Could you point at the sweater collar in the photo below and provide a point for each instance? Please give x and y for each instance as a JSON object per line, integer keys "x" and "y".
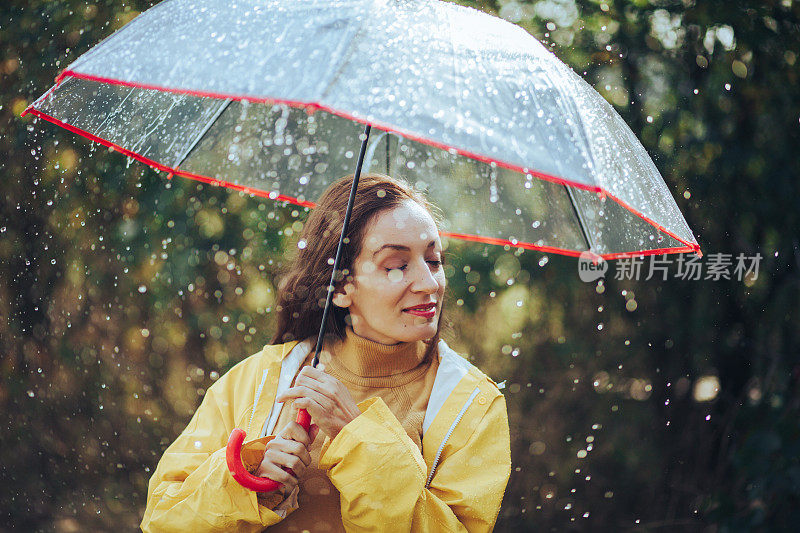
{"x": 356, "y": 357}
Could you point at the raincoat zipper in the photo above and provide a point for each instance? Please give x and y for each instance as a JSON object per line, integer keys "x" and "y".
{"x": 258, "y": 395}
{"x": 450, "y": 432}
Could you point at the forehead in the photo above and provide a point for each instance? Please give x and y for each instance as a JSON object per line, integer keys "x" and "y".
{"x": 407, "y": 224}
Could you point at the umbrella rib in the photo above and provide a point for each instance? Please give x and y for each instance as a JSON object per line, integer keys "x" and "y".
{"x": 581, "y": 221}
{"x": 346, "y": 51}
{"x": 371, "y": 150}
{"x": 182, "y": 157}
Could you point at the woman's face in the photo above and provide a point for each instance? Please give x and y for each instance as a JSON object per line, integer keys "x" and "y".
{"x": 399, "y": 269}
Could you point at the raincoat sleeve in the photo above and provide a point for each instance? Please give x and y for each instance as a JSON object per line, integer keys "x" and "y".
{"x": 192, "y": 489}
{"x": 381, "y": 475}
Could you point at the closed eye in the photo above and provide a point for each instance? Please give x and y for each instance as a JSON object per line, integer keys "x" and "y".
{"x": 433, "y": 262}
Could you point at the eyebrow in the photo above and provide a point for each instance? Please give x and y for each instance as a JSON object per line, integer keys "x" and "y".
{"x": 399, "y": 247}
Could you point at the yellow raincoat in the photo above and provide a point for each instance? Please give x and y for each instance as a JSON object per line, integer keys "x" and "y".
{"x": 385, "y": 483}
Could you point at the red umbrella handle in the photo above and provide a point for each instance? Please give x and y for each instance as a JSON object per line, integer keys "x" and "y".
{"x": 233, "y": 455}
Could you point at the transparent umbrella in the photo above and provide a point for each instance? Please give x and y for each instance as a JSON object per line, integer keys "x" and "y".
{"x": 275, "y": 98}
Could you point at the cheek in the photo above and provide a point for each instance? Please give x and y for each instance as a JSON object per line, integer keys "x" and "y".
{"x": 378, "y": 290}
{"x": 442, "y": 280}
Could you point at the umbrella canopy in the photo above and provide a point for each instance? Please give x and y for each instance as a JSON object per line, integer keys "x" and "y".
{"x": 267, "y": 97}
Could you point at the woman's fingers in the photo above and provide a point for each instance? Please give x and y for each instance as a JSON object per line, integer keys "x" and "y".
{"x": 288, "y": 460}
{"x": 331, "y": 391}
{"x": 295, "y": 431}
{"x": 326, "y": 399}
{"x": 318, "y": 373}
{"x": 272, "y": 467}
{"x": 302, "y": 391}
{"x": 282, "y": 455}
{"x": 319, "y": 381}
{"x": 290, "y": 447}
{"x": 314, "y": 408}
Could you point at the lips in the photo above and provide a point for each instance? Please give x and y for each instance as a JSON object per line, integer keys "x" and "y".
{"x": 425, "y": 310}
{"x": 423, "y": 307}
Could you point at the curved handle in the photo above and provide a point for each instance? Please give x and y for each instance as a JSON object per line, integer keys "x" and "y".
{"x": 233, "y": 456}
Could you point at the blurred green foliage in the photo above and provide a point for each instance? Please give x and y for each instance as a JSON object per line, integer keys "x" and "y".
{"x": 124, "y": 295}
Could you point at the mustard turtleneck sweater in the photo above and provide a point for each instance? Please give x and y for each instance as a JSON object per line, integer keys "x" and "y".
{"x": 399, "y": 374}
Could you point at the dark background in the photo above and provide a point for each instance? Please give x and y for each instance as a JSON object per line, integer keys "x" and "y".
{"x": 124, "y": 295}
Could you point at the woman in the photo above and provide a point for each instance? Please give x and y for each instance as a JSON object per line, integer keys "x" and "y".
{"x": 415, "y": 437}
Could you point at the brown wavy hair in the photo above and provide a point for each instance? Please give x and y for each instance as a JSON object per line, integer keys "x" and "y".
{"x": 302, "y": 289}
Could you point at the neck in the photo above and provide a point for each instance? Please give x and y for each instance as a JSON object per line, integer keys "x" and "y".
{"x": 385, "y": 342}
{"x": 365, "y": 362}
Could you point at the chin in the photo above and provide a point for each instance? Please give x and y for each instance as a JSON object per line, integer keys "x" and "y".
{"x": 420, "y": 333}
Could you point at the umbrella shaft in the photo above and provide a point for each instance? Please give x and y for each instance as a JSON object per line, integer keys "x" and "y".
{"x": 339, "y": 247}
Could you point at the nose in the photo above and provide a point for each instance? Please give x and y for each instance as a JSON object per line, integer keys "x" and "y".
{"x": 424, "y": 280}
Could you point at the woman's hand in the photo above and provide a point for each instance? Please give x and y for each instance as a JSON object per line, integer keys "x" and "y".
{"x": 325, "y": 398}
{"x": 288, "y": 450}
